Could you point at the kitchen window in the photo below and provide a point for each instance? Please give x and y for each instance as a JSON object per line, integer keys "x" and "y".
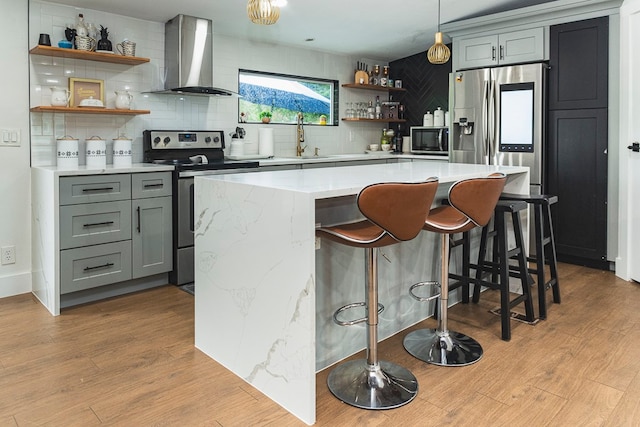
{"x": 280, "y": 97}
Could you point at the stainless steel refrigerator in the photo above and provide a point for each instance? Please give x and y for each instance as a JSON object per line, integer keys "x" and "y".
{"x": 499, "y": 118}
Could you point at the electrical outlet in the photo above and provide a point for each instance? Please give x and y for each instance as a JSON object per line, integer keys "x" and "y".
{"x": 317, "y": 243}
{"x": 8, "y": 255}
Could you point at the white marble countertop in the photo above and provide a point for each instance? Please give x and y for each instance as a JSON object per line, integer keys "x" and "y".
{"x": 340, "y": 181}
{"x": 273, "y": 161}
{"x": 347, "y": 157}
{"x": 56, "y": 171}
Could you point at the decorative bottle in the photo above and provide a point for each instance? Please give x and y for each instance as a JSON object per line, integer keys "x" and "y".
{"x": 81, "y": 27}
{"x": 378, "y": 108}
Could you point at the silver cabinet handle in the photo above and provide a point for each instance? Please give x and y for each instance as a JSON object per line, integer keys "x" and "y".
{"x": 97, "y": 224}
{"x": 107, "y": 265}
{"x": 86, "y": 190}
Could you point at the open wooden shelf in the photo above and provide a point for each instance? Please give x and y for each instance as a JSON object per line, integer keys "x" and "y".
{"x": 374, "y": 87}
{"x": 374, "y": 120}
{"x": 114, "y": 58}
{"x": 87, "y": 110}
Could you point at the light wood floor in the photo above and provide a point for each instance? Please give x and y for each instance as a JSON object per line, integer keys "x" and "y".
{"x": 130, "y": 361}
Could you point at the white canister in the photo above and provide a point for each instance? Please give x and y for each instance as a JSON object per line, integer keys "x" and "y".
{"x": 265, "y": 142}
{"x": 237, "y": 147}
{"x": 122, "y": 151}
{"x": 406, "y": 144}
{"x": 427, "y": 120}
{"x": 438, "y": 117}
{"x": 96, "y": 152}
{"x": 67, "y": 152}
{"x": 446, "y": 119}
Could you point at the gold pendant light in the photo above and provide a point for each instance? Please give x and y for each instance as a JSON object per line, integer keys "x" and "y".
{"x": 438, "y": 53}
{"x": 263, "y": 12}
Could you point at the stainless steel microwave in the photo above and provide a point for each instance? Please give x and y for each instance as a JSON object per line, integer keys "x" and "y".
{"x": 429, "y": 140}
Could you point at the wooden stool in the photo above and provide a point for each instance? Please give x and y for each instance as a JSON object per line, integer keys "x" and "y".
{"x": 395, "y": 212}
{"x": 543, "y": 226}
{"x": 499, "y": 266}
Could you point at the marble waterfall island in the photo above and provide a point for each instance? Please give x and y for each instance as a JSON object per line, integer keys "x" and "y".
{"x": 265, "y": 295}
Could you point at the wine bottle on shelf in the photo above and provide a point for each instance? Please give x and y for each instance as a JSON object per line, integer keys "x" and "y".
{"x": 378, "y": 108}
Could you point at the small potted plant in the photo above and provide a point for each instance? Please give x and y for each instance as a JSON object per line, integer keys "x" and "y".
{"x": 265, "y": 116}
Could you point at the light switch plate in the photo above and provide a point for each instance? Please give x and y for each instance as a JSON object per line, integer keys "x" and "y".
{"x": 10, "y": 137}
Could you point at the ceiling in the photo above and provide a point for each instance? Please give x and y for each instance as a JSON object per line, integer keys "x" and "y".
{"x": 373, "y": 29}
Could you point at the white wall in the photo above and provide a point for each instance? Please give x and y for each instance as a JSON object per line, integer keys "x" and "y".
{"x": 174, "y": 112}
{"x": 15, "y": 229}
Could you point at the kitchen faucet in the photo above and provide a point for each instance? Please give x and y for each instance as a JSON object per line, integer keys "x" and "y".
{"x": 300, "y": 134}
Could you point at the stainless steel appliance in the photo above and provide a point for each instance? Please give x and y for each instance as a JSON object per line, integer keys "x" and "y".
{"x": 188, "y": 57}
{"x": 192, "y": 153}
{"x": 499, "y": 118}
{"x": 429, "y": 140}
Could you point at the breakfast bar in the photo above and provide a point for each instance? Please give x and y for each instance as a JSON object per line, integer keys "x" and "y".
{"x": 266, "y": 287}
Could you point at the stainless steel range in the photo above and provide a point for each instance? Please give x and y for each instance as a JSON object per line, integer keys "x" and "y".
{"x": 192, "y": 153}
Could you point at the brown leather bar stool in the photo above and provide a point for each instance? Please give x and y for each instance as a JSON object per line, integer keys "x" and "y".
{"x": 543, "y": 227}
{"x": 394, "y": 212}
{"x": 471, "y": 204}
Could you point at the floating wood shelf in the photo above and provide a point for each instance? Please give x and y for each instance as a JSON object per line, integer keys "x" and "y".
{"x": 87, "y": 110}
{"x": 114, "y": 58}
{"x": 374, "y": 87}
{"x": 374, "y": 120}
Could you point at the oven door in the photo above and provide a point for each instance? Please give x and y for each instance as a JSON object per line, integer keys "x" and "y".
{"x": 185, "y": 212}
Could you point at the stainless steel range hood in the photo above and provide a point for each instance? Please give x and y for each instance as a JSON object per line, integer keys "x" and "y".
{"x": 188, "y": 58}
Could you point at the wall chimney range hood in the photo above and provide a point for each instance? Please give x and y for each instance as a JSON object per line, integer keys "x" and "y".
{"x": 188, "y": 58}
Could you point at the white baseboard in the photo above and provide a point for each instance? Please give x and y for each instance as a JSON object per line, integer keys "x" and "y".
{"x": 15, "y": 285}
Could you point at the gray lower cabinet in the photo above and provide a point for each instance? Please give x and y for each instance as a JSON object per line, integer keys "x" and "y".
{"x": 93, "y": 266}
{"x": 114, "y": 228}
{"x": 151, "y": 237}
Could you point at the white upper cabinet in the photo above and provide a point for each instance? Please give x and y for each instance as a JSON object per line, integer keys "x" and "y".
{"x": 499, "y": 49}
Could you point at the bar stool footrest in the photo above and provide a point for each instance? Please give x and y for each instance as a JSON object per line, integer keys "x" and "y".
{"x": 350, "y": 306}
{"x": 435, "y": 284}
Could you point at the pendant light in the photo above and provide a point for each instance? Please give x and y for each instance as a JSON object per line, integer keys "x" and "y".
{"x": 438, "y": 53}
{"x": 263, "y": 12}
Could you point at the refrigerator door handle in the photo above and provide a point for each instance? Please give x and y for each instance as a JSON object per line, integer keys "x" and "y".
{"x": 491, "y": 120}
{"x": 485, "y": 122}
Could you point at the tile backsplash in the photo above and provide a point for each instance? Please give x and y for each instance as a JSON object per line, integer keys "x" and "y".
{"x": 172, "y": 111}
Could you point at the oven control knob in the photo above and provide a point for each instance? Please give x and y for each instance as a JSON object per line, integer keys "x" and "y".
{"x": 156, "y": 140}
{"x": 216, "y": 139}
{"x": 166, "y": 140}
{"x": 207, "y": 139}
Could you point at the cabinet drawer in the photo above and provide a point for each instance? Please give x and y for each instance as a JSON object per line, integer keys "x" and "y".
{"x": 94, "y": 223}
{"x": 94, "y": 188}
{"x": 84, "y": 268}
{"x": 151, "y": 184}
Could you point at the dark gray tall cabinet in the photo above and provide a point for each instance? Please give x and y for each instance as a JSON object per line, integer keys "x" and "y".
{"x": 577, "y": 139}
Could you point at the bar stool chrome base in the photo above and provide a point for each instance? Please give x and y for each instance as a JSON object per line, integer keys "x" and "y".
{"x": 443, "y": 349}
{"x": 381, "y": 386}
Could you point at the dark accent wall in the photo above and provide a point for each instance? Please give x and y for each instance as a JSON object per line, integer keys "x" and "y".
{"x": 427, "y": 86}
